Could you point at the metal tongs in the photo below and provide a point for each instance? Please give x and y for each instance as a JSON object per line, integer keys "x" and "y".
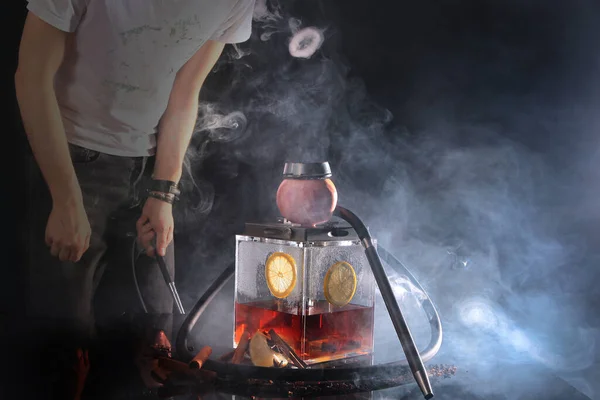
{"x": 168, "y": 280}
{"x": 286, "y": 350}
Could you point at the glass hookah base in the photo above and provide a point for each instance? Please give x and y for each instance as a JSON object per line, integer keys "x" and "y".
{"x": 320, "y": 335}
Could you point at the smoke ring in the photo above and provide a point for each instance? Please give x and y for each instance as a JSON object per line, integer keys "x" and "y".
{"x": 305, "y": 42}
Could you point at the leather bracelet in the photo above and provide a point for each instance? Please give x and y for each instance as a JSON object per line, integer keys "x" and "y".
{"x": 164, "y": 186}
{"x": 171, "y": 196}
{"x": 166, "y": 197}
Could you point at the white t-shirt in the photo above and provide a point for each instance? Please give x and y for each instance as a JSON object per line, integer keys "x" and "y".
{"x": 118, "y": 71}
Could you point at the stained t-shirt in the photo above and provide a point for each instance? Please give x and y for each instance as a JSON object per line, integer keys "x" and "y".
{"x": 119, "y": 67}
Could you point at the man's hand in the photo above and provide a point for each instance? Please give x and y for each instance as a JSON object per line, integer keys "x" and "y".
{"x": 156, "y": 219}
{"x": 68, "y": 231}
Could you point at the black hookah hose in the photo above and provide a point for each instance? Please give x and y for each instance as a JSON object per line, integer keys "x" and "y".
{"x": 185, "y": 350}
{"x": 134, "y": 255}
{"x": 406, "y": 340}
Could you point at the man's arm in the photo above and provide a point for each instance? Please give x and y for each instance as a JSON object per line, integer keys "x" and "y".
{"x": 177, "y": 124}
{"x": 40, "y": 54}
{"x": 174, "y": 133}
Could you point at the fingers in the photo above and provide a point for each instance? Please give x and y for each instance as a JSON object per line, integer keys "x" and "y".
{"x": 67, "y": 248}
{"x": 147, "y": 227}
{"x": 54, "y": 249}
{"x": 150, "y": 251}
{"x": 69, "y": 252}
{"x": 81, "y": 247}
{"x": 170, "y": 235}
{"x": 145, "y": 234}
{"x": 86, "y": 246}
{"x": 157, "y": 218}
{"x": 161, "y": 240}
{"x": 145, "y": 240}
{"x": 164, "y": 236}
{"x": 154, "y": 224}
{"x": 64, "y": 253}
{"x": 141, "y": 222}
{"x": 86, "y": 242}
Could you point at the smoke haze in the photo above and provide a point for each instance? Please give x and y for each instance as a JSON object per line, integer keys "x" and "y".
{"x": 473, "y": 159}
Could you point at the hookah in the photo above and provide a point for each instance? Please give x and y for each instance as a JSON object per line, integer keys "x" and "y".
{"x": 307, "y": 201}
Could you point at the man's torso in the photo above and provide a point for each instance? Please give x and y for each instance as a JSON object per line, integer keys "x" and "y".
{"x": 119, "y": 68}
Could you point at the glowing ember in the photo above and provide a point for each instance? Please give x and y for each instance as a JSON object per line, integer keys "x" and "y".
{"x": 305, "y": 42}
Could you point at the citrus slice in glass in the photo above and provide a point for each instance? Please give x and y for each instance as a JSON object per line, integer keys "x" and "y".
{"x": 340, "y": 284}
{"x": 260, "y": 352}
{"x": 280, "y": 272}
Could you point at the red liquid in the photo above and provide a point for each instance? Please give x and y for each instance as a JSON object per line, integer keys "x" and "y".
{"x": 325, "y": 333}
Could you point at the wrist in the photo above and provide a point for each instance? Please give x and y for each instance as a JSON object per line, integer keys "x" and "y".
{"x": 70, "y": 202}
{"x": 66, "y": 194}
{"x": 173, "y": 176}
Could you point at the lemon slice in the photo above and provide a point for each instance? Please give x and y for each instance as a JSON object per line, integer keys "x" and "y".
{"x": 340, "y": 284}
{"x": 260, "y": 352}
{"x": 280, "y": 272}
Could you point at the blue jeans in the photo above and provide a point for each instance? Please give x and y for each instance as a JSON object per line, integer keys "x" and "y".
{"x": 61, "y": 294}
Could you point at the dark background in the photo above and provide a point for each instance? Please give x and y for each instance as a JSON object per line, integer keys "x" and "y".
{"x": 464, "y": 132}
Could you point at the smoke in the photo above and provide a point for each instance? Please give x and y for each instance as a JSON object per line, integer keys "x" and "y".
{"x": 266, "y": 14}
{"x": 478, "y": 193}
{"x": 305, "y": 42}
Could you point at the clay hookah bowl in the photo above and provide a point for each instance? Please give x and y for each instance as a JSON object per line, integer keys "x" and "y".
{"x": 307, "y": 195}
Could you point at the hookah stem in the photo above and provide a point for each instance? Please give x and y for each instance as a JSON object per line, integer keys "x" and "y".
{"x": 408, "y": 345}
{"x": 169, "y": 281}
